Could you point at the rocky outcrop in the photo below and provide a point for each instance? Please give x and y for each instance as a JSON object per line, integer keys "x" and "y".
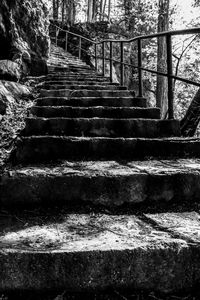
{"x": 9, "y": 70}
{"x": 10, "y": 92}
{"x": 24, "y": 36}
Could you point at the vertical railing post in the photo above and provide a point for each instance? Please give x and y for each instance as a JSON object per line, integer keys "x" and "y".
{"x": 79, "y": 48}
{"x": 122, "y": 64}
{"x": 66, "y": 41}
{"x": 56, "y": 38}
{"x": 111, "y": 63}
{"x": 95, "y": 54}
{"x": 140, "y": 83}
{"x": 169, "y": 77}
{"x": 103, "y": 58}
{"x": 79, "y": 54}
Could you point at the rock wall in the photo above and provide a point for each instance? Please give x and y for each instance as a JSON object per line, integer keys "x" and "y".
{"x": 24, "y": 34}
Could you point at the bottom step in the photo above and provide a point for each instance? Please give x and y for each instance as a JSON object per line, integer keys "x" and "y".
{"x": 75, "y": 252}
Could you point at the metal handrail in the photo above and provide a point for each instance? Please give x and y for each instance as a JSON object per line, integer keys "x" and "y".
{"x": 169, "y": 74}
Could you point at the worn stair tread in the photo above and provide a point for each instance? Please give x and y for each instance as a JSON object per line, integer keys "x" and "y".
{"x": 149, "y": 252}
{"x": 95, "y": 111}
{"x": 82, "y": 86}
{"x": 77, "y": 78}
{"x": 130, "y": 101}
{"x": 63, "y": 82}
{"x": 102, "y": 127}
{"x": 84, "y": 93}
{"x": 47, "y": 148}
{"x": 108, "y": 183}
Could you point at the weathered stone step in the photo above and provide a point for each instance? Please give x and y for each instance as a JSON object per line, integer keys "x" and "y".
{"x": 52, "y": 82}
{"x": 84, "y": 93}
{"x": 92, "y": 101}
{"x": 109, "y": 183}
{"x": 78, "y": 252}
{"x": 47, "y": 148}
{"x": 101, "y": 127}
{"x": 77, "y": 78}
{"x": 69, "y": 68}
{"x": 99, "y": 111}
{"x": 82, "y": 86}
{"x": 74, "y": 74}
{"x": 74, "y": 71}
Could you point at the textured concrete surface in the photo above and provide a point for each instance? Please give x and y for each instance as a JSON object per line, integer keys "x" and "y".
{"x": 75, "y": 252}
{"x": 107, "y": 183}
{"x": 84, "y": 93}
{"x": 48, "y": 148}
{"x": 102, "y": 127}
{"x": 93, "y": 101}
{"x": 95, "y": 111}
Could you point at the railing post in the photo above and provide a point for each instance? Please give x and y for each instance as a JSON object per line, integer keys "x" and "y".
{"x": 122, "y": 64}
{"x": 111, "y": 57}
{"x": 56, "y": 38}
{"x": 169, "y": 77}
{"x": 140, "y": 93}
{"x": 95, "y": 53}
{"x": 103, "y": 58}
{"x": 79, "y": 54}
{"x": 66, "y": 41}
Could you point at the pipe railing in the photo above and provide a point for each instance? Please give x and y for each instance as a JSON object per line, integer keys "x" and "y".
{"x": 169, "y": 73}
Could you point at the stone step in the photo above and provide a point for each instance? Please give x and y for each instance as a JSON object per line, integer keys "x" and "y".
{"x": 95, "y": 111}
{"x": 69, "y": 68}
{"x": 113, "y": 184}
{"x": 73, "y": 71}
{"x": 77, "y": 78}
{"x": 92, "y": 101}
{"x": 65, "y": 82}
{"x": 60, "y": 61}
{"x": 78, "y": 252}
{"x": 84, "y": 93}
{"x": 82, "y": 87}
{"x": 100, "y": 127}
{"x": 74, "y": 74}
{"x": 50, "y": 148}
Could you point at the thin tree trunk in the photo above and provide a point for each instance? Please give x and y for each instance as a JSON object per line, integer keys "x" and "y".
{"x": 94, "y": 10}
{"x": 104, "y": 9}
{"x": 192, "y": 117}
{"x": 63, "y": 11}
{"x": 101, "y": 10}
{"x": 57, "y": 8}
{"x": 109, "y": 9}
{"x": 90, "y": 10}
{"x": 55, "y": 15}
{"x": 163, "y": 25}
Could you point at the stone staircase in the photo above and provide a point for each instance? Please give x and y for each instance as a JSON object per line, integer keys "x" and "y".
{"x": 100, "y": 185}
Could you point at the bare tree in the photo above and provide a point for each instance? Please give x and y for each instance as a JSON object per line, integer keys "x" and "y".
{"x": 163, "y": 25}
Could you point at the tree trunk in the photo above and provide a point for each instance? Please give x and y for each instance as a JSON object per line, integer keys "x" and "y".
{"x": 55, "y": 10}
{"x": 71, "y": 12}
{"x": 63, "y": 10}
{"x": 109, "y": 9}
{"x": 192, "y": 117}
{"x": 94, "y": 10}
{"x": 128, "y": 5}
{"x": 90, "y": 11}
{"x": 163, "y": 25}
{"x": 101, "y": 10}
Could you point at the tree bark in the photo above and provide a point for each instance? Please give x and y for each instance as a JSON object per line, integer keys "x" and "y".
{"x": 161, "y": 89}
{"x": 109, "y": 9}
{"x": 191, "y": 119}
{"x": 90, "y": 11}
